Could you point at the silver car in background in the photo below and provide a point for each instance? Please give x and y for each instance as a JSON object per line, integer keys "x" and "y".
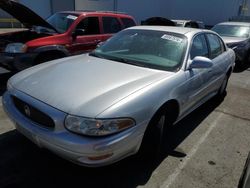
{"x": 237, "y": 36}
{"x": 98, "y": 108}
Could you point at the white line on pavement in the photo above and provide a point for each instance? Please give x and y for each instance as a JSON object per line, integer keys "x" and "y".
{"x": 181, "y": 166}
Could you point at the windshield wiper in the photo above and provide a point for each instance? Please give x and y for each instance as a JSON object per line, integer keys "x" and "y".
{"x": 119, "y": 59}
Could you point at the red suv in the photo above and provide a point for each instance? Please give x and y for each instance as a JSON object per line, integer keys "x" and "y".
{"x": 62, "y": 34}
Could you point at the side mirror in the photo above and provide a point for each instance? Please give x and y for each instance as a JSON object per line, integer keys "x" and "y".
{"x": 78, "y": 32}
{"x": 200, "y": 63}
{"x": 100, "y": 44}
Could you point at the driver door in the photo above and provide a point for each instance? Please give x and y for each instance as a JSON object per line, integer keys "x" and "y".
{"x": 89, "y": 38}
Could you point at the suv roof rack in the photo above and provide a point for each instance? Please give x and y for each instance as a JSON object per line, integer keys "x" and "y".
{"x": 102, "y": 11}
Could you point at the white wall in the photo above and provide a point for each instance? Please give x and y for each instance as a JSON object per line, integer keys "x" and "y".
{"x": 94, "y": 5}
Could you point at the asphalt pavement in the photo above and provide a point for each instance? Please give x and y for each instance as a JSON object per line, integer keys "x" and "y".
{"x": 207, "y": 149}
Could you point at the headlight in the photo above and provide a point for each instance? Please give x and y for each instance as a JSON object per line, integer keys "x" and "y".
{"x": 94, "y": 127}
{"x": 16, "y": 48}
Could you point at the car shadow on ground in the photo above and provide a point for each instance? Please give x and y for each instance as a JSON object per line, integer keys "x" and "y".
{"x": 239, "y": 69}
{"x": 3, "y": 81}
{"x": 23, "y": 164}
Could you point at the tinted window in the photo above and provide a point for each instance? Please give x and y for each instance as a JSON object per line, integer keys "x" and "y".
{"x": 215, "y": 45}
{"x": 90, "y": 25}
{"x": 199, "y": 47}
{"x": 127, "y": 22}
{"x": 111, "y": 25}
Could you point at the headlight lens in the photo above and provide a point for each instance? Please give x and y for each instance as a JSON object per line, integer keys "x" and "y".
{"x": 16, "y": 48}
{"x": 94, "y": 127}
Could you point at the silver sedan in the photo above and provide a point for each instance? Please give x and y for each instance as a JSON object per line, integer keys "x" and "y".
{"x": 98, "y": 108}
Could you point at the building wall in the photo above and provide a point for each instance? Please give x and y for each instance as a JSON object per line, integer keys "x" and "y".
{"x": 211, "y": 12}
{"x": 41, "y": 7}
{"x": 94, "y": 5}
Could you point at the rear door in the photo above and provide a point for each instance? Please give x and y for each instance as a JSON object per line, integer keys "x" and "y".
{"x": 219, "y": 57}
{"x": 110, "y": 25}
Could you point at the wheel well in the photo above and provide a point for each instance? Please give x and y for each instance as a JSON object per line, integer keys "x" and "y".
{"x": 49, "y": 55}
{"x": 229, "y": 72}
{"x": 172, "y": 109}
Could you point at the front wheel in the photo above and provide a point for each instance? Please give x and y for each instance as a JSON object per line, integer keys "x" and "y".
{"x": 153, "y": 140}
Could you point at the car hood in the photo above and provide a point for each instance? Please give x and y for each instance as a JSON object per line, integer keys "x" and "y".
{"x": 229, "y": 40}
{"x": 84, "y": 85}
{"x": 22, "y": 13}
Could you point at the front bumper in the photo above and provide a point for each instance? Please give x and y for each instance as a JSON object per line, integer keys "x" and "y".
{"x": 76, "y": 148}
{"x": 17, "y": 61}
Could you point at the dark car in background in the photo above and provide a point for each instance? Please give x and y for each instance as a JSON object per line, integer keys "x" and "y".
{"x": 62, "y": 34}
{"x": 189, "y": 23}
{"x": 237, "y": 36}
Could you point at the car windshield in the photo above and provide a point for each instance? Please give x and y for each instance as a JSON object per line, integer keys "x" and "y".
{"x": 146, "y": 48}
{"x": 232, "y": 30}
{"x": 62, "y": 21}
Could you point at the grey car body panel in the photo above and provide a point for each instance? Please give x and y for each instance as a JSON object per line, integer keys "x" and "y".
{"x": 100, "y": 83}
{"x": 98, "y": 88}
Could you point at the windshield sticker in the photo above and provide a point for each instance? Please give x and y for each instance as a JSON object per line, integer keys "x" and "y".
{"x": 71, "y": 17}
{"x": 172, "y": 38}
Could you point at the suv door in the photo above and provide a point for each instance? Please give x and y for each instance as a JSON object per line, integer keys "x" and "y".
{"x": 110, "y": 26}
{"x": 90, "y": 36}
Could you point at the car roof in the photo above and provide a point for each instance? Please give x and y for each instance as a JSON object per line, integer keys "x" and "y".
{"x": 81, "y": 12}
{"x": 179, "y": 30}
{"x": 182, "y": 20}
{"x": 235, "y": 23}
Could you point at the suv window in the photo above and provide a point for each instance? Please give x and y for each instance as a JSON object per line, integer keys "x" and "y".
{"x": 215, "y": 45}
{"x": 199, "y": 47}
{"x": 194, "y": 25}
{"x": 111, "y": 25}
{"x": 127, "y": 22}
{"x": 90, "y": 25}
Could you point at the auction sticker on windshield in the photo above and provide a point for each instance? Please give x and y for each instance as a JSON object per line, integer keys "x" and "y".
{"x": 72, "y": 17}
{"x": 172, "y": 38}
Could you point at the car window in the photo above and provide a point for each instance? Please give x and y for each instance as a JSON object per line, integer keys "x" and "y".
{"x": 62, "y": 21}
{"x": 199, "y": 47}
{"x": 232, "y": 30}
{"x": 152, "y": 49}
{"x": 90, "y": 25}
{"x": 127, "y": 22}
{"x": 111, "y": 25}
{"x": 215, "y": 45}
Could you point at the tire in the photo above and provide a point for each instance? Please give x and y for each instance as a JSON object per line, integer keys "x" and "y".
{"x": 155, "y": 135}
